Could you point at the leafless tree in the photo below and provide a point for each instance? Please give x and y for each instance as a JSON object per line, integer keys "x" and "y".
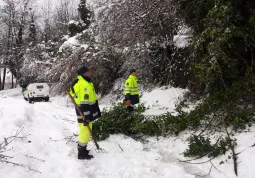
{"x": 13, "y": 20}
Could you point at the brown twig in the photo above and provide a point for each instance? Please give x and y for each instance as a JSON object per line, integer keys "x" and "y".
{"x": 68, "y": 138}
{"x": 232, "y": 148}
{"x": 5, "y": 143}
{"x": 120, "y": 148}
{"x": 34, "y": 158}
{"x": 208, "y": 174}
{"x": 198, "y": 162}
{"x": 64, "y": 119}
{"x": 4, "y": 158}
{"x": 20, "y": 165}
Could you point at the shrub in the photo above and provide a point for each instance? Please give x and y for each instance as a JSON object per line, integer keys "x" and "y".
{"x": 118, "y": 120}
{"x": 200, "y": 146}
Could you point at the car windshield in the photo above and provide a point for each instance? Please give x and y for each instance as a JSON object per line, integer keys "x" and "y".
{"x": 39, "y": 87}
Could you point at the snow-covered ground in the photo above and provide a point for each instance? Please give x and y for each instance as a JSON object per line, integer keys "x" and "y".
{"x": 44, "y": 145}
{"x": 162, "y": 100}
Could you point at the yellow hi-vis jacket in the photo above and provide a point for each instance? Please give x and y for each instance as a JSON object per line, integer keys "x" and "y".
{"x": 132, "y": 89}
{"x": 85, "y": 97}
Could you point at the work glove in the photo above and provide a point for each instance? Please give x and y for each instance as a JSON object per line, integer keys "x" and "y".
{"x": 86, "y": 122}
{"x": 127, "y": 102}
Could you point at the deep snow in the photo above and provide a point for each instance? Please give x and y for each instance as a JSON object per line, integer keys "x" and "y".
{"x": 43, "y": 148}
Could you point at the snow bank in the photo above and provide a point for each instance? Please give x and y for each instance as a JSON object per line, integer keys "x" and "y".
{"x": 71, "y": 43}
{"x": 11, "y": 92}
{"x": 159, "y": 100}
{"x": 162, "y": 100}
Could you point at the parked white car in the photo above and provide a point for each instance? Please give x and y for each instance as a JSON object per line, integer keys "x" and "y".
{"x": 37, "y": 92}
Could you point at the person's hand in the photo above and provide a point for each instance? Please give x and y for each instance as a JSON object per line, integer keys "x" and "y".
{"x": 127, "y": 102}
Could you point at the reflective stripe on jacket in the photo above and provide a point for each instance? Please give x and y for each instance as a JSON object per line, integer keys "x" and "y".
{"x": 132, "y": 89}
{"x": 131, "y": 86}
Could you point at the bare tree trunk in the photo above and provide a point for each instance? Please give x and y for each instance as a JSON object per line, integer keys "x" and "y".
{"x": 0, "y": 77}
{"x": 12, "y": 82}
{"x": 4, "y": 75}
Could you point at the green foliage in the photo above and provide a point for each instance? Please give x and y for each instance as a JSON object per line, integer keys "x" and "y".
{"x": 194, "y": 11}
{"x": 239, "y": 118}
{"x": 200, "y": 146}
{"x": 225, "y": 109}
{"x": 118, "y": 120}
{"x": 163, "y": 125}
{"x": 223, "y": 41}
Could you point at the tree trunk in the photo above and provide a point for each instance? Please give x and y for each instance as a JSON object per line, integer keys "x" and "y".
{"x": 4, "y": 75}
{"x": 0, "y": 77}
{"x": 12, "y": 82}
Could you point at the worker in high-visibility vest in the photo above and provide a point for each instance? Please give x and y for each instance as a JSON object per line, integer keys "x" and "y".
{"x": 131, "y": 90}
{"x": 85, "y": 97}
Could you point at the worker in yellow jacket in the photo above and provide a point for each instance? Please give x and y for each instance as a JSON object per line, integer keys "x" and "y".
{"x": 131, "y": 90}
{"x": 85, "y": 97}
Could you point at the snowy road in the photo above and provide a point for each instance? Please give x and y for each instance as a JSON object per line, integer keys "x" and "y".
{"x": 45, "y": 147}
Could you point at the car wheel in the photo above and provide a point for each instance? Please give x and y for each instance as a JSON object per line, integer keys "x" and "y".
{"x": 30, "y": 100}
{"x": 46, "y": 99}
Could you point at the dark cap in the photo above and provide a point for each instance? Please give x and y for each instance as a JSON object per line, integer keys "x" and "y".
{"x": 82, "y": 70}
{"x": 132, "y": 71}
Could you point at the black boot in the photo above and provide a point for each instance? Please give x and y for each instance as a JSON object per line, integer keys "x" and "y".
{"x": 83, "y": 153}
{"x": 130, "y": 108}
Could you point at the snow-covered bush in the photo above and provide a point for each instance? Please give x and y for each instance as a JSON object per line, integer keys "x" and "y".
{"x": 83, "y": 49}
{"x": 151, "y": 37}
{"x": 37, "y": 62}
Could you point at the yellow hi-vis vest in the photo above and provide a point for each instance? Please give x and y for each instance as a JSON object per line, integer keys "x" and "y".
{"x": 131, "y": 86}
{"x": 85, "y": 97}
{"x": 84, "y": 92}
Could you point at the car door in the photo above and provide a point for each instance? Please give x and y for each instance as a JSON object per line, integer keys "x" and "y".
{"x": 40, "y": 90}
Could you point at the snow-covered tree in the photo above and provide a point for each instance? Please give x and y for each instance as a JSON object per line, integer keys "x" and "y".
{"x": 32, "y": 30}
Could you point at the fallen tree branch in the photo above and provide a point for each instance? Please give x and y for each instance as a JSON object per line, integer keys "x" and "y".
{"x": 120, "y": 148}
{"x": 20, "y": 165}
{"x": 64, "y": 119}
{"x": 34, "y": 158}
{"x": 4, "y": 158}
{"x": 6, "y": 141}
{"x": 198, "y": 162}
{"x": 68, "y": 138}
{"x": 188, "y": 161}
{"x": 208, "y": 174}
{"x": 215, "y": 167}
